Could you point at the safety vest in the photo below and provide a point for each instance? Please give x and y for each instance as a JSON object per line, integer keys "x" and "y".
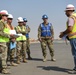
{"x": 46, "y": 30}
{"x": 72, "y": 34}
{"x": 6, "y": 30}
{"x": 23, "y": 37}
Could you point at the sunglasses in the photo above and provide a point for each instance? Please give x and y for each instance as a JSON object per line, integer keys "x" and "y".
{"x": 10, "y": 19}
{"x": 5, "y": 15}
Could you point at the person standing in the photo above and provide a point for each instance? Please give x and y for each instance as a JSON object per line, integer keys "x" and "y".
{"x": 4, "y": 38}
{"x": 21, "y": 41}
{"x": 71, "y": 29}
{"x": 12, "y": 43}
{"x": 46, "y": 37}
{"x": 27, "y": 37}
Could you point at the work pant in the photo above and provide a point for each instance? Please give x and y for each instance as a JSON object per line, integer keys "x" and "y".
{"x": 12, "y": 54}
{"x": 28, "y": 47}
{"x": 73, "y": 46}
{"x": 3, "y": 55}
{"x": 44, "y": 43}
{"x": 21, "y": 49}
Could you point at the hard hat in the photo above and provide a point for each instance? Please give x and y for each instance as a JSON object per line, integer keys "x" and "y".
{"x": 4, "y": 12}
{"x": 10, "y": 16}
{"x": 25, "y": 20}
{"x": 70, "y": 7}
{"x": 20, "y": 19}
{"x": 44, "y": 17}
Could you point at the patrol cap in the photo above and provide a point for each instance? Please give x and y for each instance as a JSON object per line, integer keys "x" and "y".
{"x": 20, "y": 19}
{"x": 4, "y": 12}
{"x": 44, "y": 16}
{"x": 24, "y": 19}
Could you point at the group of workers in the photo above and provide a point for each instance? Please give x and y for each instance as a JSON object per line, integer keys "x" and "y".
{"x": 16, "y": 39}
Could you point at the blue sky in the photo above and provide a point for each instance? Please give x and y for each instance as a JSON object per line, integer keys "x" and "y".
{"x": 33, "y": 11}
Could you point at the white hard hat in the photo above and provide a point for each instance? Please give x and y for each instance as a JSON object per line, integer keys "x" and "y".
{"x": 70, "y": 7}
{"x": 10, "y": 16}
{"x": 20, "y": 19}
{"x": 4, "y": 12}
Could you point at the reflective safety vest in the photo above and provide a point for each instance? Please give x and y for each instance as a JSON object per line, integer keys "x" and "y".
{"x": 6, "y": 30}
{"x": 72, "y": 34}
{"x": 46, "y": 30}
{"x": 23, "y": 37}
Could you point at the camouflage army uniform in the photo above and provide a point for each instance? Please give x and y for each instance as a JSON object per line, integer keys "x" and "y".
{"x": 46, "y": 41}
{"x": 21, "y": 45}
{"x": 3, "y": 47}
{"x": 28, "y": 42}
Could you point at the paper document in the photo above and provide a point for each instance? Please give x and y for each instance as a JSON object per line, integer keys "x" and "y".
{"x": 12, "y": 32}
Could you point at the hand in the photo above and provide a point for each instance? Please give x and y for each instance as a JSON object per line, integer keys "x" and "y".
{"x": 40, "y": 39}
{"x": 52, "y": 39}
{"x": 61, "y": 34}
{"x": 11, "y": 35}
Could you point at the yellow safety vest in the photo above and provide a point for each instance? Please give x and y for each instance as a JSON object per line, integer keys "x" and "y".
{"x": 2, "y": 38}
{"x": 23, "y": 37}
{"x": 72, "y": 34}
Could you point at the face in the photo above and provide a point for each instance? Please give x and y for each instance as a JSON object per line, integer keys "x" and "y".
{"x": 45, "y": 20}
{"x": 20, "y": 23}
{"x": 9, "y": 20}
{"x": 4, "y": 17}
{"x": 68, "y": 13}
{"x": 24, "y": 23}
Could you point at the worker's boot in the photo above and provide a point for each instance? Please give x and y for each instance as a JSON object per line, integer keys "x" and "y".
{"x": 18, "y": 61}
{"x": 44, "y": 59}
{"x": 5, "y": 71}
{"x": 24, "y": 60}
{"x": 52, "y": 59}
{"x": 29, "y": 57}
{"x": 13, "y": 64}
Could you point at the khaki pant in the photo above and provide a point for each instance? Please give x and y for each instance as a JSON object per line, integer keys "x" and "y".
{"x": 3, "y": 55}
{"x": 44, "y": 43}
{"x": 28, "y": 47}
{"x": 21, "y": 49}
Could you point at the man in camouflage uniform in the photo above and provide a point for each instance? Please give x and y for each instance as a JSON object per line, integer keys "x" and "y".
{"x": 27, "y": 37}
{"x": 46, "y": 36}
{"x": 21, "y": 41}
{"x": 4, "y": 38}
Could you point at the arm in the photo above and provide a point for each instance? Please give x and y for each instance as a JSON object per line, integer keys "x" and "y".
{"x": 29, "y": 29}
{"x": 69, "y": 28}
{"x": 39, "y": 32}
{"x": 52, "y": 31}
{"x": 1, "y": 30}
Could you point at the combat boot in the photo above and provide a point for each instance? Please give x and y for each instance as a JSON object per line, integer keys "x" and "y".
{"x": 18, "y": 62}
{"x": 29, "y": 58}
{"x": 5, "y": 71}
{"x": 13, "y": 64}
{"x": 44, "y": 59}
{"x": 24, "y": 60}
{"x": 52, "y": 59}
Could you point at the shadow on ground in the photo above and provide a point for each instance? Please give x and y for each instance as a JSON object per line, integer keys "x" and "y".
{"x": 36, "y": 59}
{"x": 55, "y": 68}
